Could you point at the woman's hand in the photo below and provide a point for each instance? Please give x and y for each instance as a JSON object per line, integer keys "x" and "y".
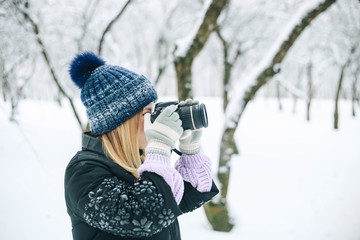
{"x": 190, "y": 139}
{"x": 164, "y": 132}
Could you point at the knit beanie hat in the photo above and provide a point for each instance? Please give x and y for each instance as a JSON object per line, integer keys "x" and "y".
{"x": 111, "y": 94}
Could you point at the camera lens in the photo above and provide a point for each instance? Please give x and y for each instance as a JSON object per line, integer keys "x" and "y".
{"x": 193, "y": 117}
{"x": 203, "y": 119}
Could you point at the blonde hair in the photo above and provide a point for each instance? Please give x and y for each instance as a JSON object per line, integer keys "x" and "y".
{"x": 121, "y": 145}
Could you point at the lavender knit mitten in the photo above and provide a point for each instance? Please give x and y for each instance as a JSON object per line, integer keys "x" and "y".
{"x": 196, "y": 169}
{"x": 160, "y": 165}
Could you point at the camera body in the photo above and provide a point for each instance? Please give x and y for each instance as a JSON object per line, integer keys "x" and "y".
{"x": 192, "y": 116}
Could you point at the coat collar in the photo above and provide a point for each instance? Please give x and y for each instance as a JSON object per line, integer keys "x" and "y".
{"x": 94, "y": 144}
{"x": 91, "y": 143}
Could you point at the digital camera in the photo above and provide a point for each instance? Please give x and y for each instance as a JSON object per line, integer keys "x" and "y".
{"x": 192, "y": 116}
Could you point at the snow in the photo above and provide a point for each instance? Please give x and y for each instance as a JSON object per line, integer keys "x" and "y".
{"x": 293, "y": 180}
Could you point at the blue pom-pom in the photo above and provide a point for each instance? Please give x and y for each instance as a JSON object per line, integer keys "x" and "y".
{"x": 82, "y": 65}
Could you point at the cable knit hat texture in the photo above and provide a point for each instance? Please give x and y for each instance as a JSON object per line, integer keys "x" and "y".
{"x": 111, "y": 94}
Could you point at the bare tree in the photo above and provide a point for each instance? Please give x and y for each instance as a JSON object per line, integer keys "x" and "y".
{"x": 12, "y": 90}
{"x": 183, "y": 60}
{"x": 24, "y": 10}
{"x": 260, "y": 77}
{"x": 337, "y": 96}
{"x": 346, "y": 49}
{"x": 340, "y": 84}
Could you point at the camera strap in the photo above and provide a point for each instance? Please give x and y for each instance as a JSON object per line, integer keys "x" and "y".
{"x": 177, "y": 151}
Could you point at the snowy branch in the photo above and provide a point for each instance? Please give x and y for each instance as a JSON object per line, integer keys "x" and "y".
{"x": 109, "y": 26}
{"x": 266, "y": 69}
{"x": 186, "y": 53}
{"x": 291, "y": 87}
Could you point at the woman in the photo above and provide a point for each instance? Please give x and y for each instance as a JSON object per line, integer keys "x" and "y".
{"x": 121, "y": 185}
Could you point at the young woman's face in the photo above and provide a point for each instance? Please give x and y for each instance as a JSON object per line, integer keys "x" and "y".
{"x": 141, "y": 132}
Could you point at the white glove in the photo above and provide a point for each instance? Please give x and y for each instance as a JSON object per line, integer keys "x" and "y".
{"x": 190, "y": 140}
{"x": 164, "y": 132}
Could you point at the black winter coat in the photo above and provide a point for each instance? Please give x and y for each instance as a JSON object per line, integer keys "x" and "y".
{"x": 106, "y": 202}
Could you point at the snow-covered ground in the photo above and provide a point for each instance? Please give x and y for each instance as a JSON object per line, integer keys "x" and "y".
{"x": 294, "y": 180}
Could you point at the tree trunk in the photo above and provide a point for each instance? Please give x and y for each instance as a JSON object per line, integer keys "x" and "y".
{"x": 2, "y": 79}
{"x": 278, "y": 95}
{"x": 310, "y": 90}
{"x": 183, "y": 75}
{"x": 216, "y": 211}
{"x": 227, "y": 74}
{"x": 337, "y": 96}
{"x": 261, "y": 79}
{"x": 354, "y": 93}
{"x": 228, "y": 65}
{"x": 184, "y": 62}
{"x": 217, "y": 214}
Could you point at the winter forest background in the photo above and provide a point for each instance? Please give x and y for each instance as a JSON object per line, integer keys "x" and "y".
{"x": 246, "y": 59}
